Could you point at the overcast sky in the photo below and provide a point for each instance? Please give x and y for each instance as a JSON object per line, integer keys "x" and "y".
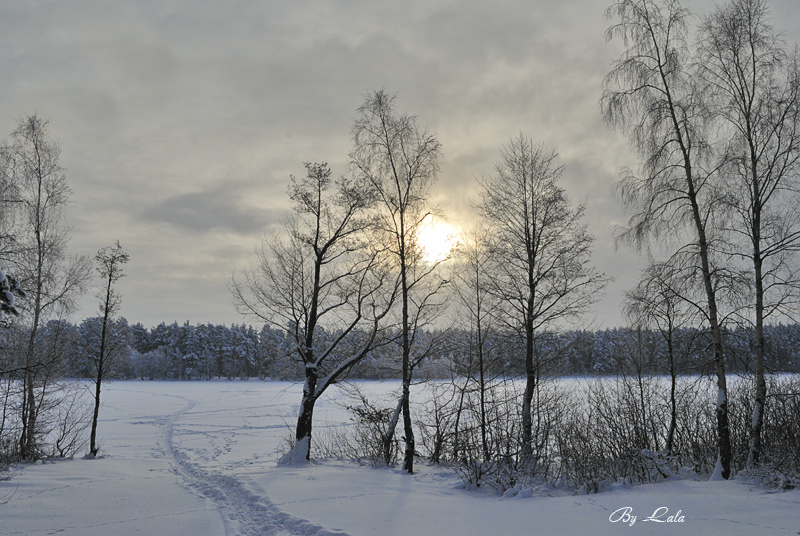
{"x": 181, "y": 121}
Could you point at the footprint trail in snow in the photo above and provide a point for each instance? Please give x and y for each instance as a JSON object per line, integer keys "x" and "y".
{"x": 244, "y": 513}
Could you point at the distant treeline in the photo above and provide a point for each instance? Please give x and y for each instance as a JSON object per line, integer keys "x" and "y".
{"x": 205, "y": 351}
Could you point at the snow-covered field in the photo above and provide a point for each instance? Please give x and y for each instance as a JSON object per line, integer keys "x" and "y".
{"x": 200, "y": 459}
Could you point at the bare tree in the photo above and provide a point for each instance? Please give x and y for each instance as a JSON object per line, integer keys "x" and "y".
{"x": 754, "y": 86}
{"x": 109, "y": 265}
{"x": 472, "y": 273}
{"x": 401, "y": 162}
{"x": 324, "y": 282}
{"x": 53, "y": 281}
{"x": 662, "y": 302}
{"x": 651, "y": 95}
{"x": 541, "y": 249}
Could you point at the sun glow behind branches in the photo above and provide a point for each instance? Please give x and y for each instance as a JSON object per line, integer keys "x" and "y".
{"x": 437, "y": 239}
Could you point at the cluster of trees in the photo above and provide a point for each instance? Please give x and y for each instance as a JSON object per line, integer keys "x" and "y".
{"x": 34, "y": 240}
{"x": 351, "y": 261}
{"x": 602, "y": 351}
{"x": 713, "y": 203}
{"x": 212, "y": 351}
{"x": 33, "y": 245}
{"x": 206, "y": 351}
{"x": 715, "y": 121}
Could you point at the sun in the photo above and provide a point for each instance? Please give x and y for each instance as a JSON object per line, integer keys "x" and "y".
{"x": 436, "y": 239}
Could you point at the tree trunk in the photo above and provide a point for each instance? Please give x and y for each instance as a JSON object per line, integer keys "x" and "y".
{"x": 527, "y": 422}
{"x": 754, "y": 455}
{"x": 408, "y": 457}
{"x": 388, "y": 437}
{"x": 23, "y": 437}
{"x": 482, "y": 394}
{"x": 673, "y": 414}
{"x": 530, "y": 372}
{"x": 723, "y": 429}
{"x": 93, "y": 448}
{"x": 302, "y": 446}
{"x": 28, "y": 436}
{"x": 408, "y": 431}
{"x": 459, "y": 410}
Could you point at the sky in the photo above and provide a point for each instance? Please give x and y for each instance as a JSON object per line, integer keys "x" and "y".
{"x": 180, "y": 122}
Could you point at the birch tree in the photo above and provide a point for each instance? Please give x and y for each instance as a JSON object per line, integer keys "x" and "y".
{"x": 400, "y": 160}
{"x": 473, "y": 276}
{"x": 51, "y": 279}
{"x": 652, "y": 95}
{"x": 754, "y": 86}
{"x": 662, "y": 301}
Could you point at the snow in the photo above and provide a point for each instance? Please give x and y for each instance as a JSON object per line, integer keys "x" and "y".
{"x": 297, "y": 455}
{"x": 200, "y": 458}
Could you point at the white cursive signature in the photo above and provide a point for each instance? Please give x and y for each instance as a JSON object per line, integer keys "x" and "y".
{"x": 625, "y": 515}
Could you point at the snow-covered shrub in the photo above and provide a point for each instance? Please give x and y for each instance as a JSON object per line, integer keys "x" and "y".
{"x": 695, "y": 442}
{"x": 769, "y": 478}
{"x": 612, "y": 423}
{"x": 780, "y": 448}
{"x": 582, "y": 458}
{"x": 438, "y": 419}
{"x": 498, "y": 475}
{"x": 72, "y": 416}
{"x": 9, "y": 421}
{"x": 363, "y": 439}
{"x": 741, "y": 396}
{"x": 488, "y": 452}
{"x": 589, "y": 435}
{"x": 9, "y": 287}
{"x": 617, "y": 430}
{"x": 780, "y": 435}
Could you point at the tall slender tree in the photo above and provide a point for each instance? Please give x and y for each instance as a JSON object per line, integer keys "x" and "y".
{"x": 109, "y": 261}
{"x": 51, "y": 279}
{"x": 541, "y": 250}
{"x": 652, "y": 95}
{"x": 472, "y": 274}
{"x": 662, "y": 302}
{"x": 400, "y": 160}
{"x": 754, "y": 86}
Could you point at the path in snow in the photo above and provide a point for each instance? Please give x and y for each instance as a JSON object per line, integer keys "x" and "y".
{"x": 244, "y": 512}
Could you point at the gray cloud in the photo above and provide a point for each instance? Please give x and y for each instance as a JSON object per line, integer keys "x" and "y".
{"x": 222, "y": 208}
{"x": 157, "y": 103}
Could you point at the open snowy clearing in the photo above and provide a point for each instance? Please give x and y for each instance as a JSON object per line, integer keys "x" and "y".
{"x": 199, "y": 458}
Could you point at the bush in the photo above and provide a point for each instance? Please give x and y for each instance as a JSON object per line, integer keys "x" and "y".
{"x": 614, "y": 429}
{"x": 362, "y": 439}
